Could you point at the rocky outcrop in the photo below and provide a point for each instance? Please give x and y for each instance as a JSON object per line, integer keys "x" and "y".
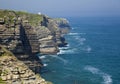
{"x": 63, "y": 25}
{"x": 58, "y": 28}
{"x": 13, "y": 71}
{"x": 46, "y": 41}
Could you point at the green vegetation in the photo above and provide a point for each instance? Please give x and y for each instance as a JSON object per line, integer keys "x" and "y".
{"x": 9, "y": 16}
{"x": 34, "y": 19}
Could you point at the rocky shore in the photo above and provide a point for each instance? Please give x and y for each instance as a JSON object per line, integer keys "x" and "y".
{"x": 26, "y": 35}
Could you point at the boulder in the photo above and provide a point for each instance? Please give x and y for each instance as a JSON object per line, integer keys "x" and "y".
{"x": 2, "y": 21}
{"x": 4, "y": 78}
{"x": 49, "y": 50}
{"x": 9, "y": 77}
{"x": 15, "y": 76}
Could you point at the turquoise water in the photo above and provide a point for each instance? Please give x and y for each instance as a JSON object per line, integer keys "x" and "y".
{"x": 92, "y": 56}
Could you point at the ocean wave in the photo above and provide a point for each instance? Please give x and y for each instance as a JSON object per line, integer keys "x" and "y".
{"x": 73, "y": 28}
{"x": 88, "y": 49}
{"x": 66, "y": 50}
{"x": 80, "y": 40}
{"x": 82, "y": 33}
{"x": 73, "y": 33}
{"x": 45, "y": 58}
{"x": 76, "y": 33}
{"x": 45, "y": 65}
{"x": 60, "y": 58}
{"x": 106, "y": 77}
{"x": 42, "y": 57}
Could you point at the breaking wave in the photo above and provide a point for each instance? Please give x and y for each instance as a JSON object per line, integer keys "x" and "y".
{"x": 60, "y": 58}
{"x": 66, "y": 50}
{"x": 45, "y": 57}
{"x": 80, "y": 40}
{"x": 42, "y": 57}
{"x": 45, "y": 65}
{"x": 73, "y": 34}
{"x": 76, "y": 33}
{"x": 106, "y": 77}
{"x": 87, "y": 49}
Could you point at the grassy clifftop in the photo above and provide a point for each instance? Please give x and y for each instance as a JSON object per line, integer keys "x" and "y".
{"x": 10, "y": 16}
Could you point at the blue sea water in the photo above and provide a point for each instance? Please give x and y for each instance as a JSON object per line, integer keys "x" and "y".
{"x": 92, "y": 55}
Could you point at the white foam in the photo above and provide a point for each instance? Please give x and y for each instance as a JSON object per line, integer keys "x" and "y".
{"x": 60, "y": 58}
{"x": 80, "y": 39}
{"x": 106, "y": 77}
{"x": 66, "y": 51}
{"x": 92, "y": 69}
{"x": 54, "y": 56}
{"x": 88, "y": 49}
{"x": 73, "y": 28}
{"x": 64, "y": 48}
{"x": 76, "y": 33}
{"x": 45, "y": 65}
{"x": 73, "y": 34}
{"x": 42, "y": 57}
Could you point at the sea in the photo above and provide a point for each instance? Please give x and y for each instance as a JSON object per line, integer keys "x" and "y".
{"x": 92, "y": 55}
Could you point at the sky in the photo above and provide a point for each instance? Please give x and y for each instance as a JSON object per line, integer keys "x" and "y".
{"x": 65, "y": 7}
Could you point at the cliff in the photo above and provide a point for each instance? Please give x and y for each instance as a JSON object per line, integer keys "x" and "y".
{"x": 25, "y": 35}
{"x": 42, "y": 30}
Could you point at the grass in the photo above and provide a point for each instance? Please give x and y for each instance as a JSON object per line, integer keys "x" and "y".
{"x": 34, "y": 19}
{"x": 7, "y": 13}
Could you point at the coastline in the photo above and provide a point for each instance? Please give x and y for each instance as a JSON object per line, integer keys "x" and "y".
{"x": 25, "y": 35}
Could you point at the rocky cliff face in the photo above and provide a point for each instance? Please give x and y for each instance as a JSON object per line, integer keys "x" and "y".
{"x": 25, "y": 35}
{"x": 58, "y": 27}
{"x": 47, "y": 31}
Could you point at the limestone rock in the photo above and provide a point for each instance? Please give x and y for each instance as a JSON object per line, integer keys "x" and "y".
{"x": 16, "y": 76}
{"x": 4, "y": 78}
{"x": 9, "y": 77}
{"x": 17, "y": 72}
